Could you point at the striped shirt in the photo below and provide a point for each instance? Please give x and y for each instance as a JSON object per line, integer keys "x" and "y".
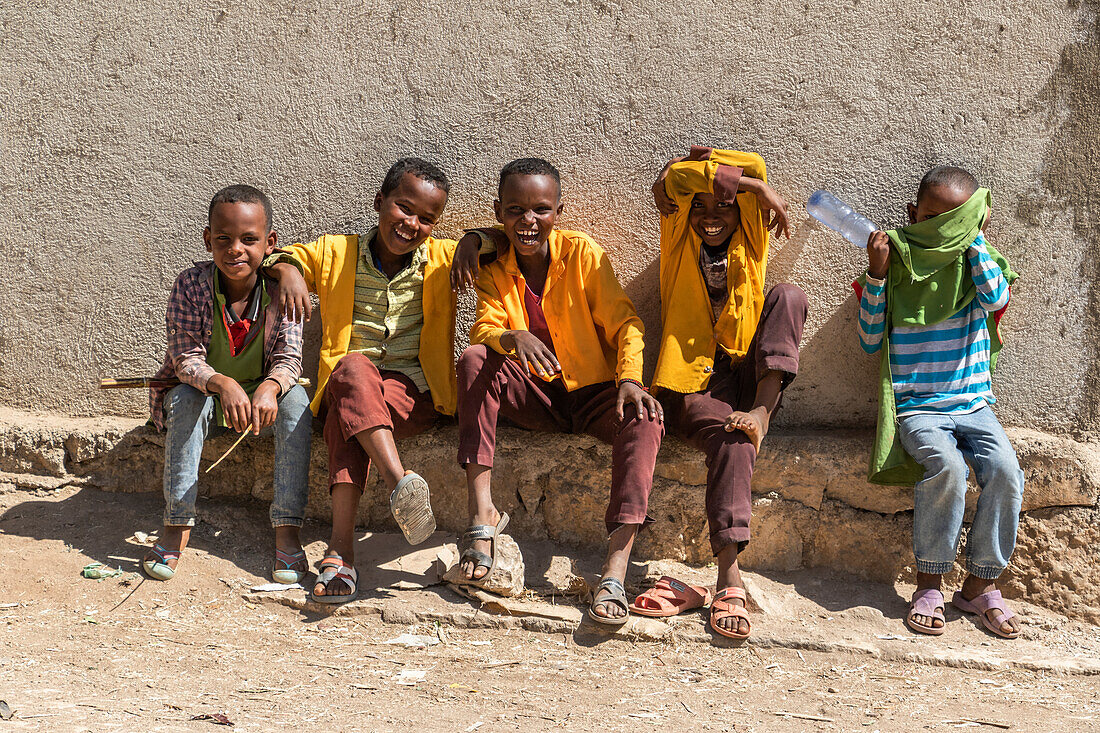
{"x": 388, "y": 314}
{"x": 944, "y": 367}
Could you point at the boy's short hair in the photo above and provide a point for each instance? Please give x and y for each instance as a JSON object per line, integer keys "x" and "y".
{"x": 420, "y": 168}
{"x": 948, "y": 176}
{"x": 242, "y": 194}
{"x": 528, "y": 167}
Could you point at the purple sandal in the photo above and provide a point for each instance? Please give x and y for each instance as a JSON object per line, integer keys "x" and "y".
{"x": 990, "y": 601}
{"x": 926, "y": 602}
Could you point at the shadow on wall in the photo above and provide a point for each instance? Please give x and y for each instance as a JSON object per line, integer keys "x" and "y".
{"x": 1075, "y": 89}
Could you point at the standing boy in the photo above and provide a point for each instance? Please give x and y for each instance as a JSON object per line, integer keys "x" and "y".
{"x": 387, "y": 351}
{"x": 238, "y": 360}
{"x": 933, "y": 295}
{"x": 727, "y": 350}
{"x": 556, "y": 346}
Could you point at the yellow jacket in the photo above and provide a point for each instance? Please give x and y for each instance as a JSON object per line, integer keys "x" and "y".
{"x": 597, "y": 333}
{"x": 328, "y": 266}
{"x": 689, "y": 335}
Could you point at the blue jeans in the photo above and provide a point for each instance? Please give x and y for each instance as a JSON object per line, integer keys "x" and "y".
{"x": 189, "y": 419}
{"x": 943, "y": 445}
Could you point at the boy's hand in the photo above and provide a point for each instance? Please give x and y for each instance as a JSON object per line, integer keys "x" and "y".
{"x": 235, "y": 402}
{"x": 466, "y": 263}
{"x": 773, "y": 206}
{"x": 644, "y": 403}
{"x": 531, "y": 351}
{"x": 878, "y": 255}
{"x": 661, "y": 200}
{"x": 265, "y": 405}
{"x": 294, "y": 299}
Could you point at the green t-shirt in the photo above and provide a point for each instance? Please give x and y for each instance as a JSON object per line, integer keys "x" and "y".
{"x": 247, "y": 367}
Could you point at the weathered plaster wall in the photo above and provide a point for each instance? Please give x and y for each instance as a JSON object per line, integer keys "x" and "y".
{"x": 120, "y": 120}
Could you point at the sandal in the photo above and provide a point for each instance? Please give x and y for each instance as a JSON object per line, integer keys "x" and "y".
{"x": 980, "y": 605}
{"x": 287, "y": 574}
{"x": 158, "y": 569}
{"x": 720, "y": 608}
{"x": 670, "y": 597}
{"x": 927, "y": 602}
{"x": 481, "y": 560}
{"x": 410, "y": 504}
{"x": 616, "y": 595}
{"x": 333, "y": 567}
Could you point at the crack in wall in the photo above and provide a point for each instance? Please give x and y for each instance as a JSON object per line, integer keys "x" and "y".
{"x": 1072, "y": 178}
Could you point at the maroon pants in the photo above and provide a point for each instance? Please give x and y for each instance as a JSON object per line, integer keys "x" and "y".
{"x": 490, "y": 385}
{"x": 358, "y": 397}
{"x": 700, "y": 418}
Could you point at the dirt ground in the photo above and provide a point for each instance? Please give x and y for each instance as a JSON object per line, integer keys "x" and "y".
{"x": 129, "y": 654}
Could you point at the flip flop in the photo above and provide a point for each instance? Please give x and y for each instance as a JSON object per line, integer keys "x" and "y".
{"x": 480, "y": 559}
{"x": 991, "y": 601}
{"x": 616, "y": 595}
{"x": 287, "y": 573}
{"x": 333, "y": 567}
{"x": 410, "y": 504}
{"x": 158, "y": 569}
{"x": 720, "y": 608}
{"x": 670, "y": 597}
{"x": 926, "y": 602}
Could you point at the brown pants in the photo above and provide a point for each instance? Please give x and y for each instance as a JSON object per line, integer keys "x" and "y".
{"x": 358, "y": 397}
{"x": 700, "y": 418}
{"x": 490, "y": 385}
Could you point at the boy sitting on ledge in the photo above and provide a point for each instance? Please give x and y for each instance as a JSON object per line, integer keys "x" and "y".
{"x": 933, "y": 295}
{"x": 238, "y": 360}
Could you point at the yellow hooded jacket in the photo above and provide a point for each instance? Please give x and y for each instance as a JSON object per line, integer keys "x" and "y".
{"x": 689, "y": 334}
{"x": 328, "y": 266}
{"x": 597, "y": 334}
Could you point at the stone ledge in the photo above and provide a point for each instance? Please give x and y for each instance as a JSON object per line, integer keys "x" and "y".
{"x": 812, "y": 504}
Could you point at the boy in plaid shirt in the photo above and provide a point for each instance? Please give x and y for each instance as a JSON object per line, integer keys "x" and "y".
{"x": 238, "y": 361}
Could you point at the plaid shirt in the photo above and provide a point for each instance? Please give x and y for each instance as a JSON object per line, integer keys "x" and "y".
{"x": 190, "y": 322}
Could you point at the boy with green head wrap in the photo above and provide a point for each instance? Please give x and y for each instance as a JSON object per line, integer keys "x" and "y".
{"x": 930, "y": 303}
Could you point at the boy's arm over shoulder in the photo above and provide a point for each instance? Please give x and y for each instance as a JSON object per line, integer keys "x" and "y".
{"x": 187, "y": 321}
{"x": 306, "y": 257}
{"x": 988, "y": 277}
{"x": 611, "y": 308}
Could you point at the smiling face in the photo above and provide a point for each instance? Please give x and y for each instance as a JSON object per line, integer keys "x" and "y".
{"x": 714, "y": 221}
{"x": 238, "y": 238}
{"x": 528, "y": 207}
{"x": 407, "y": 215}
{"x": 937, "y": 200}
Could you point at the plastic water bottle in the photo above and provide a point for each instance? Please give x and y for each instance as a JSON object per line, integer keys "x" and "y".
{"x": 840, "y": 217}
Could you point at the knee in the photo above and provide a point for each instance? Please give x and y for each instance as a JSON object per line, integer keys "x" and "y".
{"x": 951, "y": 471}
{"x": 352, "y": 369}
{"x": 184, "y": 400}
{"x": 472, "y": 361}
{"x": 294, "y": 402}
{"x": 1004, "y": 473}
{"x": 789, "y": 296}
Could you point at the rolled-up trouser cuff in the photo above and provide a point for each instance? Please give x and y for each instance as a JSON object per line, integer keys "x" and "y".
{"x": 286, "y": 522}
{"x": 985, "y": 573}
{"x": 179, "y": 521}
{"x": 724, "y": 538}
{"x": 934, "y": 568}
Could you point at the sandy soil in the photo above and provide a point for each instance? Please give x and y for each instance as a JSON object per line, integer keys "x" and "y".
{"x": 129, "y": 654}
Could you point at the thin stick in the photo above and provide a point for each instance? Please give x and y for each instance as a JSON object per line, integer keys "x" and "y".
{"x": 138, "y": 382}
{"x": 224, "y": 455}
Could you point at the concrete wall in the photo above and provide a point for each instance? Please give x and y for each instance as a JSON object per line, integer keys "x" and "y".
{"x": 120, "y": 120}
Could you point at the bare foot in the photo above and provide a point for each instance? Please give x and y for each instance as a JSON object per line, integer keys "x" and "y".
{"x": 172, "y": 539}
{"x": 973, "y": 587}
{"x": 471, "y": 570}
{"x": 753, "y": 423}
